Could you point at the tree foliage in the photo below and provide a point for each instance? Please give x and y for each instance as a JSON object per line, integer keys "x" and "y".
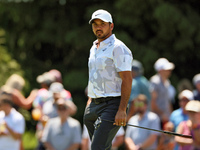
{"x": 42, "y": 35}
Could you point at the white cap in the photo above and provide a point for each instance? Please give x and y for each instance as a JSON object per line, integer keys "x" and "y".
{"x": 196, "y": 79}
{"x": 187, "y": 94}
{"x": 193, "y": 105}
{"x": 103, "y": 15}
{"x": 45, "y": 78}
{"x": 56, "y": 87}
{"x": 163, "y": 64}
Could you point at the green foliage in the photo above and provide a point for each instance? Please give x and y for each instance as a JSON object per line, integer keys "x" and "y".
{"x": 8, "y": 65}
{"x": 29, "y": 140}
{"x": 37, "y": 36}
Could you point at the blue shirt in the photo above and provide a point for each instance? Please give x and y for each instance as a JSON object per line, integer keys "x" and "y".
{"x": 140, "y": 85}
{"x": 62, "y": 135}
{"x": 163, "y": 98}
{"x": 178, "y": 116}
{"x": 138, "y": 135}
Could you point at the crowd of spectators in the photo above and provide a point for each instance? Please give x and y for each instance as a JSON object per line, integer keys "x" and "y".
{"x": 151, "y": 105}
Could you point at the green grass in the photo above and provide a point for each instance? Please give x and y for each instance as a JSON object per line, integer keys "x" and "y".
{"x": 29, "y": 140}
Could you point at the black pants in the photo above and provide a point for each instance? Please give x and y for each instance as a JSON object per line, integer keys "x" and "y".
{"x": 102, "y": 136}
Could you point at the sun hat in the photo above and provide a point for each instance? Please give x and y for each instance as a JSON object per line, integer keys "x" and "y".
{"x": 186, "y": 94}
{"x": 193, "y": 106}
{"x": 15, "y": 81}
{"x": 196, "y": 79}
{"x": 101, "y": 14}
{"x": 163, "y": 64}
{"x": 45, "y": 78}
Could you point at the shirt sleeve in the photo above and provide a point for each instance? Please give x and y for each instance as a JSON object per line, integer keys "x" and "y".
{"x": 122, "y": 58}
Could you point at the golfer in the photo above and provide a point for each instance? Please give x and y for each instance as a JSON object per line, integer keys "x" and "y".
{"x": 109, "y": 85}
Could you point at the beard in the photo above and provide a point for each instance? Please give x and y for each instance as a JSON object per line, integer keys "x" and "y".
{"x": 140, "y": 111}
{"x": 100, "y": 35}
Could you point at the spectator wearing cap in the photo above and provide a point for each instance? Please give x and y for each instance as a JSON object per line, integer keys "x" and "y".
{"x": 137, "y": 138}
{"x": 179, "y": 115}
{"x": 62, "y": 132}
{"x": 140, "y": 85}
{"x": 196, "y": 82}
{"x": 50, "y": 107}
{"x": 45, "y": 80}
{"x": 43, "y": 95}
{"x": 190, "y": 127}
{"x": 160, "y": 97}
{"x": 12, "y": 124}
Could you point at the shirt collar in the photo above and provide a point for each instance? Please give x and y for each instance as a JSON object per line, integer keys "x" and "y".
{"x": 106, "y": 41}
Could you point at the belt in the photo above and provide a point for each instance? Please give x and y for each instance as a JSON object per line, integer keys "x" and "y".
{"x": 103, "y": 99}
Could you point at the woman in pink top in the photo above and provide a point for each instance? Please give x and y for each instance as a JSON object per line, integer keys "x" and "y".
{"x": 184, "y": 128}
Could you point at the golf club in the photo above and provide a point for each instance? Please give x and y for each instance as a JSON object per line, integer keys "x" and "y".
{"x": 162, "y": 131}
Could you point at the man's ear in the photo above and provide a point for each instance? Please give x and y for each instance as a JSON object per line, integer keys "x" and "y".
{"x": 112, "y": 26}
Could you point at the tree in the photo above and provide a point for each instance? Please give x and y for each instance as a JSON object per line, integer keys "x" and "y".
{"x": 42, "y": 35}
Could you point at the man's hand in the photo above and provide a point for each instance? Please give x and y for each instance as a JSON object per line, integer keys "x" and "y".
{"x": 120, "y": 118}
{"x": 3, "y": 128}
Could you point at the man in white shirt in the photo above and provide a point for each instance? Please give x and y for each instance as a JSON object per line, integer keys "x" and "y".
{"x": 109, "y": 85}
{"x": 12, "y": 124}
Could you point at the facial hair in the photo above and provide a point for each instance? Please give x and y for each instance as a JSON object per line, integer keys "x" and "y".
{"x": 100, "y": 35}
{"x": 140, "y": 111}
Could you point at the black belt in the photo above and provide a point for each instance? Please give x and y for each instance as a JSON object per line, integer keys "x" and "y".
{"x": 103, "y": 99}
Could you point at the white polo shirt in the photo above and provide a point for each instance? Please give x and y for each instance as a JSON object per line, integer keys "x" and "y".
{"x": 111, "y": 57}
{"x": 17, "y": 123}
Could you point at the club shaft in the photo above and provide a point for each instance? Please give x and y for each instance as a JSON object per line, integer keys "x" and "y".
{"x": 162, "y": 131}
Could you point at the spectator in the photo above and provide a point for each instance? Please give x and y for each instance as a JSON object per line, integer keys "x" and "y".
{"x": 50, "y": 107}
{"x": 43, "y": 95}
{"x": 12, "y": 124}
{"x": 196, "y": 82}
{"x": 14, "y": 85}
{"x": 45, "y": 80}
{"x": 140, "y": 85}
{"x": 184, "y": 128}
{"x": 136, "y": 138}
{"x": 62, "y": 132}
{"x": 179, "y": 115}
{"x": 160, "y": 97}
{"x": 193, "y": 109}
{"x": 116, "y": 143}
{"x": 165, "y": 141}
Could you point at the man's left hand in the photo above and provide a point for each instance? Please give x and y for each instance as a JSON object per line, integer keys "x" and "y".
{"x": 120, "y": 118}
